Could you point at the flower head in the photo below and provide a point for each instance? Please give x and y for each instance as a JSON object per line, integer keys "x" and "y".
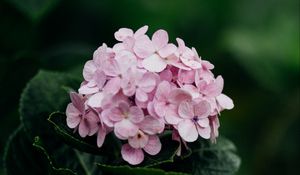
{"x": 143, "y": 86}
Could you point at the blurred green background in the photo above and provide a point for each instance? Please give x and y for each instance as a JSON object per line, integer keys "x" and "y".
{"x": 254, "y": 45}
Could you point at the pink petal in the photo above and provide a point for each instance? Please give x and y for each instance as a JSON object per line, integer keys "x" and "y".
{"x": 153, "y": 146}
{"x": 73, "y": 116}
{"x": 105, "y": 118}
{"x": 141, "y": 104}
{"x": 172, "y": 116}
{"x": 125, "y": 60}
{"x": 151, "y": 125}
{"x": 131, "y": 155}
{"x": 111, "y": 67}
{"x": 186, "y": 76}
{"x": 162, "y": 91}
{"x": 124, "y": 107}
{"x": 154, "y": 63}
{"x": 166, "y": 75}
{"x": 77, "y": 101}
{"x": 214, "y": 124}
{"x": 113, "y": 85}
{"x": 101, "y": 54}
{"x": 187, "y": 130}
{"x": 115, "y": 115}
{"x": 186, "y": 110}
{"x": 178, "y": 95}
{"x": 129, "y": 90}
{"x": 95, "y": 100}
{"x": 214, "y": 89}
{"x": 148, "y": 82}
{"x": 203, "y": 122}
{"x": 138, "y": 141}
{"x": 101, "y": 136}
{"x": 179, "y": 65}
{"x": 207, "y": 65}
{"x": 192, "y": 90}
{"x": 126, "y": 128}
{"x": 88, "y": 89}
{"x": 202, "y": 109}
{"x": 194, "y": 64}
{"x": 122, "y": 33}
{"x": 100, "y": 79}
{"x": 181, "y": 45}
{"x": 151, "y": 111}
{"x": 204, "y": 132}
{"x": 89, "y": 70}
{"x": 83, "y": 128}
{"x": 141, "y": 31}
{"x": 92, "y": 121}
{"x": 143, "y": 47}
{"x": 160, "y": 108}
{"x": 167, "y": 50}
{"x": 128, "y": 43}
{"x": 225, "y": 102}
{"x": 135, "y": 115}
{"x": 160, "y": 39}
{"x": 141, "y": 95}
{"x": 118, "y": 47}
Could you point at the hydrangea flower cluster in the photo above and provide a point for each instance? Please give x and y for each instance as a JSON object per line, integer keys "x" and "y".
{"x": 141, "y": 87}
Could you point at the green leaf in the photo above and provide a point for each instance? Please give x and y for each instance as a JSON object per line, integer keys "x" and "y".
{"x": 72, "y": 161}
{"x": 127, "y": 170}
{"x": 213, "y": 158}
{"x": 43, "y": 94}
{"x": 20, "y": 157}
{"x": 58, "y": 171}
{"x": 34, "y": 9}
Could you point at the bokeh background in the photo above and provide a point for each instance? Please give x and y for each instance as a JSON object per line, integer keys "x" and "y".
{"x": 254, "y": 45}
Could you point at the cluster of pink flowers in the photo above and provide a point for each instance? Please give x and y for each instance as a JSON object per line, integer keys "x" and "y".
{"x": 141, "y": 87}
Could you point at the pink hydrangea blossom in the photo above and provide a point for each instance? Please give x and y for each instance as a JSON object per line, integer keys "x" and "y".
{"x": 80, "y": 117}
{"x": 194, "y": 120}
{"x": 124, "y": 119}
{"x": 143, "y": 86}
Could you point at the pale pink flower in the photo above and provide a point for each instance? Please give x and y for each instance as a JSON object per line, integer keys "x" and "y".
{"x": 124, "y": 119}
{"x": 155, "y": 52}
{"x": 194, "y": 120}
{"x": 224, "y": 102}
{"x": 125, "y": 33}
{"x": 86, "y": 120}
{"x": 167, "y": 99}
{"x": 134, "y": 154}
{"x": 188, "y": 56}
{"x": 214, "y": 125}
{"x": 92, "y": 72}
{"x": 145, "y": 140}
{"x": 140, "y": 84}
{"x": 117, "y": 69}
{"x": 212, "y": 88}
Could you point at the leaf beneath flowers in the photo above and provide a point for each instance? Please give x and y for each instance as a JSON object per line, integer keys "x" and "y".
{"x": 44, "y": 94}
{"x": 75, "y": 162}
{"x": 209, "y": 158}
{"x": 215, "y": 159}
{"x": 20, "y": 156}
{"x": 127, "y": 170}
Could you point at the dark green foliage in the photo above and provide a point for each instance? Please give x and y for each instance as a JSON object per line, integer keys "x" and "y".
{"x": 20, "y": 156}
{"x": 44, "y": 94}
